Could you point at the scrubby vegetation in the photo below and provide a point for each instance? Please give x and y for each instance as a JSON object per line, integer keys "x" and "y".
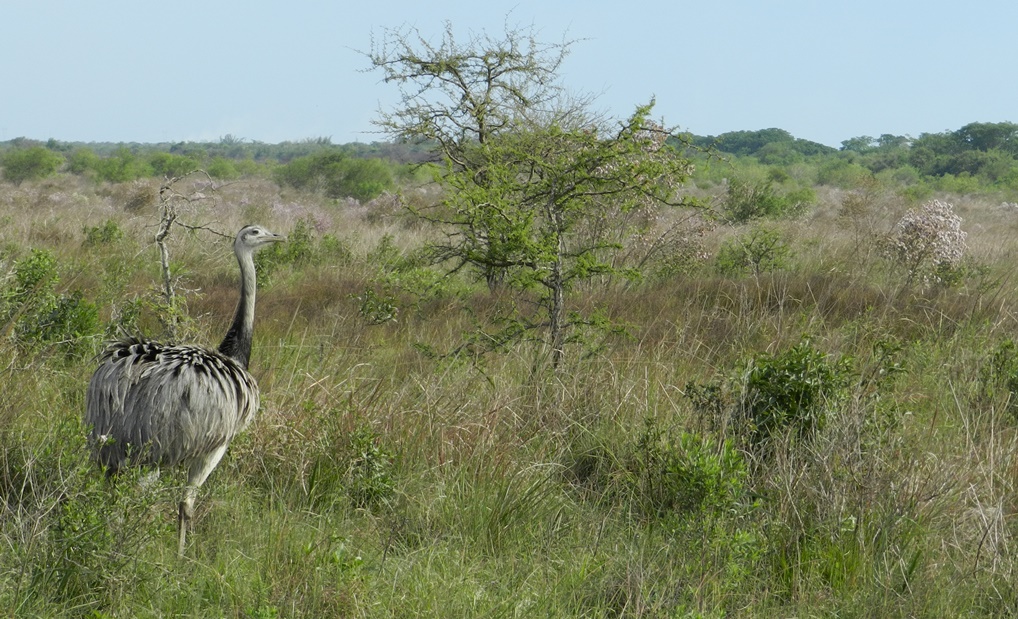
{"x": 784, "y": 381}
{"x": 812, "y": 414}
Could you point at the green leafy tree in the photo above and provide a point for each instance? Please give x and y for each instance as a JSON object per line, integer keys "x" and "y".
{"x": 779, "y": 153}
{"x": 544, "y": 190}
{"x": 842, "y": 172}
{"x": 122, "y": 166}
{"x": 989, "y": 136}
{"x": 365, "y": 179}
{"x": 888, "y": 141}
{"x": 169, "y": 165}
{"x": 749, "y": 142}
{"x": 460, "y": 95}
{"x": 988, "y": 150}
{"x": 82, "y": 161}
{"x": 770, "y": 141}
{"x": 22, "y": 164}
{"x": 862, "y": 144}
{"x": 530, "y": 172}
{"x": 338, "y": 175}
{"x": 222, "y": 169}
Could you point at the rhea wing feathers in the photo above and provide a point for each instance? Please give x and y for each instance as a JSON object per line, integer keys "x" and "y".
{"x": 166, "y": 404}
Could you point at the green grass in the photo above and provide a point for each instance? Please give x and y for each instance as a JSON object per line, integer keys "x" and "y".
{"x": 380, "y": 482}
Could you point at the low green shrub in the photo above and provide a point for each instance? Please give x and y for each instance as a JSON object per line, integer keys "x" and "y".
{"x": 662, "y": 475}
{"x": 377, "y": 309}
{"x": 746, "y": 201}
{"x": 362, "y": 470}
{"x": 109, "y": 232}
{"x": 758, "y": 251}
{"x": 679, "y": 473}
{"x": 40, "y": 315}
{"x": 790, "y": 391}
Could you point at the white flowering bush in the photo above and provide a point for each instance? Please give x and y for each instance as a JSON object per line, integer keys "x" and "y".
{"x": 928, "y": 242}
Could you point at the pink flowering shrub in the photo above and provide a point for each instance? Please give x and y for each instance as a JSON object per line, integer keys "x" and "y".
{"x": 927, "y": 242}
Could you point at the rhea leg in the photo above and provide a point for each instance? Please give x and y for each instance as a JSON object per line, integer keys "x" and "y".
{"x": 184, "y": 514}
{"x": 196, "y": 476}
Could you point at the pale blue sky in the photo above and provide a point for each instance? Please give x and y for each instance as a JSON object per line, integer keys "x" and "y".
{"x": 825, "y": 70}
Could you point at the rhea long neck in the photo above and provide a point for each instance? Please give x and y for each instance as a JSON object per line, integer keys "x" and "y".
{"x": 237, "y": 343}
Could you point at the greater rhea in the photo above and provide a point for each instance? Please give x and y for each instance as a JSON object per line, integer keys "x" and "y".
{"x": 167, "y": 405}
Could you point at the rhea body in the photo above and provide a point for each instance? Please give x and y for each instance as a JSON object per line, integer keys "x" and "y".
{"x": 168, "y": 405}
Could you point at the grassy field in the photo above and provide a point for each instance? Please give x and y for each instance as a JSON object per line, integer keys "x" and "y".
{"x": 640, "y": 480}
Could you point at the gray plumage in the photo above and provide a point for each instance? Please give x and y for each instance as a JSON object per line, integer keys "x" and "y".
{"x": 168, "y": 405}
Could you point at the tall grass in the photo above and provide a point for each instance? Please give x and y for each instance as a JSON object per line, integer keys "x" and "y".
{"x": 378, "y": 481}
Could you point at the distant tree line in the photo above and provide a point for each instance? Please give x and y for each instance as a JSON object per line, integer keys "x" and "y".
{"x": 360, "y": 171}
{"x": 978, "y": 156}
{"x": 771, "y": 146}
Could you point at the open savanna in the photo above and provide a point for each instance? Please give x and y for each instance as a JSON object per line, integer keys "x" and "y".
{"x": 383, "y": 481}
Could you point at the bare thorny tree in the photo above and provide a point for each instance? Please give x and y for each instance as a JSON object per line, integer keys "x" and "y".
{"x": 181, "y": 198}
